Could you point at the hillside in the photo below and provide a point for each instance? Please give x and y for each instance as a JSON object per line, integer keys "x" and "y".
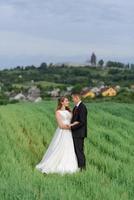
{"x": 25, "y": 132}
{"x": 20, "y": 76}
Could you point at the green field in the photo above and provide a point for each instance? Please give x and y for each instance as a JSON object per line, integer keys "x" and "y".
{"x": 25, "y": 132}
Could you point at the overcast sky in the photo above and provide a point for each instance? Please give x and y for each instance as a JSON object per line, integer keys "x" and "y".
{"x": 33, "y": 31}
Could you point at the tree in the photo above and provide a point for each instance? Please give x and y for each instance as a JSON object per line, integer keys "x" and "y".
{"x": 43, "y": 66}
{"x": 51, "y": 64}
{"x": 132, "y": 66}
{"x": 115, "y": 64}
{"x": 93, "y": 59}
{"x": 101, "y": 62}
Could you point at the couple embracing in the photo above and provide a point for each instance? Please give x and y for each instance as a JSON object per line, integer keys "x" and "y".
{"x": 65, "y": 153}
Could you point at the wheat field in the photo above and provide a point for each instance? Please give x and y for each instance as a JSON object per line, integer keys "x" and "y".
{"x": 26, "y": 130}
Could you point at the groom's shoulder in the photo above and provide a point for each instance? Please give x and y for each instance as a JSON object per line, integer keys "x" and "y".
{"x": 82, "y": 105}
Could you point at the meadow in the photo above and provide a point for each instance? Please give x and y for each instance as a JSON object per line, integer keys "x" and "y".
{"x": 26, "y": 130}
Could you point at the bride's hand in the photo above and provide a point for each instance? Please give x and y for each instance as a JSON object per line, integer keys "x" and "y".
{"x": 67, "y": 126}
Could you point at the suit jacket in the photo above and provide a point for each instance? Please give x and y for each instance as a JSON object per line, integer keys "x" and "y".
{"x": 80, "y": 115}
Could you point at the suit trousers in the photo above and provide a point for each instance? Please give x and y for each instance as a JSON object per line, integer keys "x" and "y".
{"x": 79, "y": 150}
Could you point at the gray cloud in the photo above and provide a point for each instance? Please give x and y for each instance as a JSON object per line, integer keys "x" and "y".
{"x": 66, "y": 28}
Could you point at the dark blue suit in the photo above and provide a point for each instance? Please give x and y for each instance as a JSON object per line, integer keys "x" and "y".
{"x": 79, "y": 132}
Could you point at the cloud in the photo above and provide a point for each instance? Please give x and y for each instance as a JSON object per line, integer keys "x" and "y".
{"x": 67, "y": 28}
{"x": 30, "y": 45}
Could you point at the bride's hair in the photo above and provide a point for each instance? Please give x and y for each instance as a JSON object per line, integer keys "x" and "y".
{"x": 60, "y": 100}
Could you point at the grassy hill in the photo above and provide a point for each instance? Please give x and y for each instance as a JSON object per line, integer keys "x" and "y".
{"x": 41, "y": 83}
{"x": 25, "y": 132}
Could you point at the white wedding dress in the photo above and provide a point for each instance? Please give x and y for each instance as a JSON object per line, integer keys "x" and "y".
{"x": 60, "y": 156}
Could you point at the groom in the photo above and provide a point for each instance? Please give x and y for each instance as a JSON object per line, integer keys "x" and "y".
{"x": 79, "y": 131}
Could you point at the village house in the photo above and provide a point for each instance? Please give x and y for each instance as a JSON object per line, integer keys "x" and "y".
{"x": 96, "y": 91}
{"x": 132, "y": 87}
{"x": 110, "y": 91}
{"x": 88, "y": 93}
{"x": 33, "y": 93}
{"x": 55, "y": 93}
{"x": 20, "y": 97}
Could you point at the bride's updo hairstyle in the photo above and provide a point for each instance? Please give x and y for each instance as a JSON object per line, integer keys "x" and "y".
{"x": 60, "y": 100}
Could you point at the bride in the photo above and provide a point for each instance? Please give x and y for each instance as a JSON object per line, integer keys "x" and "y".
{"x": 60, "y": 156}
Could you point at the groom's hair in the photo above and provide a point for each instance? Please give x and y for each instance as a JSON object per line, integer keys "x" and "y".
{"x": 76, "y": 93}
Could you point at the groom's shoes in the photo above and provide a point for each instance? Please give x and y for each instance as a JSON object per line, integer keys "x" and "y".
{"x": 82, "y": 169}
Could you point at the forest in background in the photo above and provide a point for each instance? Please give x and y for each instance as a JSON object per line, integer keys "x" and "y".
{"x": 50, "y": 76}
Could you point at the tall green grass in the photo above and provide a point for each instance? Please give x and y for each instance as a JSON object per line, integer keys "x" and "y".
{"x": 25, "y": 133}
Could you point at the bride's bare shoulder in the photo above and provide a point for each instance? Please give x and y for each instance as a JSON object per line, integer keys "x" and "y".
{"x": 57, "y": 112}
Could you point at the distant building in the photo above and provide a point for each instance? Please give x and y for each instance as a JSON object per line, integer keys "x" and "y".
{"x": 109, "y": 92}
{"x": 33, "y": 93}
{"x": 55, "y": 93}
{"x": 19, "y": 97}
{"x": 93, "y": 59}
{"x": 39, "y": 99}
{"x": 88, "y": 93}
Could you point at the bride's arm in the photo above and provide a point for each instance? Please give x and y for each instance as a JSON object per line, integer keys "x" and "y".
{"x": 59, "y": 121}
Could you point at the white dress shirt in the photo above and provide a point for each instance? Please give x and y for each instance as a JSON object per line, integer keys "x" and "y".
{"x": 78, "y": 104}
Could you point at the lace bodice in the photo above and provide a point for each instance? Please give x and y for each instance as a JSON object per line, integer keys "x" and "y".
{"x": 66, "y": 116}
